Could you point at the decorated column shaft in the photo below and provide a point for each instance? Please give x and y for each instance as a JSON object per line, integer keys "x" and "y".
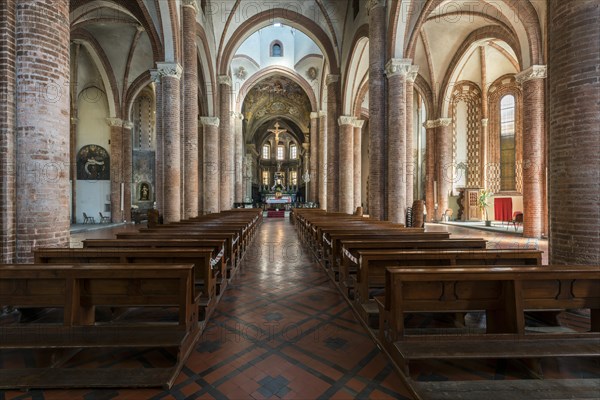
{"x": 534, "y": 128}
{"x": 313, "y": 168}
{"x": 358, "y": 126}
{"x": 397, "y": 71}
{"x": 377, "y": 107}
{"x": 322, "y": 171}
{"x": 170, "y": 76}
{"x": 227, "y": 144}
{"x": 333, "y": 144}
{"x": 190, "y": 110}
{"x": 346, "y": 195}
{"x": 430, "y": 177}
{"x": 210, "y": 127}
{"x": 445, "y": 169}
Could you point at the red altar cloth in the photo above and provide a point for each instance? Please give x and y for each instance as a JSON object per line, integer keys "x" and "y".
{"x": 503, "y": 209}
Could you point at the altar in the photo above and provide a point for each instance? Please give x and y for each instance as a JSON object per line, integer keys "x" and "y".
{"x": 284, "y": 199}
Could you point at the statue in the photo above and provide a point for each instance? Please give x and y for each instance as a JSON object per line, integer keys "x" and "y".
{"x": 144, "y": 192}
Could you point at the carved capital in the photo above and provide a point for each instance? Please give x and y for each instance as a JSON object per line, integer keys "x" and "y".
{"x": 371, "y": 4}
{"x": 155, "y": 76}
{"x": 398, "y": 66}
{"x": 128, "y": 125}
{"x": 190, "y": 4}
{"x": 314, "y": 115}
{"x": 346, "y": 120}
{"x": 359, "y": 123}
{"x": 484, "y": 122}
{"x": 445, "y": 122}
{"x": 169, "y": 69}
{"x": 224, "y": 80}
{"x": 332, "y": 79}
{"x": 322, "y": 114}
{"x": 237, "y": 115}
{"x": 533, "y": 72}
{"x": 431, "y": 124}
{"x": 213, "y": 121}
{"x": 114, "y": 122}
{"x": 412, "y": 73}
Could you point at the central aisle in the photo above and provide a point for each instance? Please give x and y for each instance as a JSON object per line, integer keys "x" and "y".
{"x": 282, "y": 330}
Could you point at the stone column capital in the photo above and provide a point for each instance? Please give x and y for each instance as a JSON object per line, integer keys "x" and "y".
{"x": 533, "y": 72}
{"x": 213, "y": 121}
{"x": 191, "y": 4}
{"x": 332, "y": 79}
{"x": 322, "y": 114}
{"x": 224, "y": 80}
{"x": 306, "y": 146}
{"x": 154, "y": 76}
{"x": 398, "y": 66}
{"x": 359, "y": 123}
{"x": 346, "y": 120}
{"x": 314, "y": 115}
{"x": 237, "y": 115}
{"x": 485, "y": 122}
{"x": 169, "y": 69}
{"x": 444, "y": 122}
{"x": 412, "y": 74}
{"x": 114, "y": 122}
{"x": 371, "y": 4}
{"x": 431, "y": 124}
{"x": 128, "y": 125}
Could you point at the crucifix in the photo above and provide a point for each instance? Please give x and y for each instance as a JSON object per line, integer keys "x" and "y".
{"x": 276, "y": 131}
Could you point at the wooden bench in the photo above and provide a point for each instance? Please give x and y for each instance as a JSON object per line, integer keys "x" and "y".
{"x": 78, "y": 290}
{"x": 371, "y": 269}
{"x": 504, "y": 293}
{"x": 207, "y": 265}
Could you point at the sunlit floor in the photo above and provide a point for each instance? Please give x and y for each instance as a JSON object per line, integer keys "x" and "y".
{"x": 281, "y": 330}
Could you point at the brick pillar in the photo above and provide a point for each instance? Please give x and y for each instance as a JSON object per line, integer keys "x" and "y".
{"x": 574, "y": 141}
{"x": 313, "y": 168}
{"x": 42, "y": 68}
{"x": 333, "y": 144}
{"x": 226, "y": 144}
{"x": 444, "y": 164}
{"x": 322, "y": 171}
{"x": 239, "y": 157}
{"x": 116, "y": 168}
{"x": 377, "y": 106}
{"x": 211, "y": 164}
{"x": 128, "y": 169}
{"x": 73, "y": 129}
{"x": 430, "y": 177}
{"x": 534, "y": 128}
{"x": 346, "y": 193}
{"x": 358, "y": 125}
{"x": 397, "y": 71}
{"x": 411, "y": 161}
{"x": 171, "y": 118}
{"x": 305, "y": 169}
{"x": 7, "y": 131}
{"x": 200, "y": 167}
{"x": 190, "y": 110}
{"x": 159, "y": 155}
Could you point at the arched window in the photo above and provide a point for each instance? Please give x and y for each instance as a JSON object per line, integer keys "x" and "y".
{"x": 276, "y": 49}
{"x": 280, "y": 152}
{"x": 507, "y": 143}
{"x": 294, "y": 177}
{"x": 293, "y": 152}
{"x": 266, "y": 152}
{"x": 265, "y": 177}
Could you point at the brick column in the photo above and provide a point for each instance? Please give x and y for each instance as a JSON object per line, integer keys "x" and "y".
{"x": 239, "y": 157}
{"x": 116, "y": 168}
{"x": 305, "y": 169}
{"x": 190, "y": 110}
{"x": 534, "y": 127}
{"x": 377, "y": 106}
{"x": 73, "y": 128}
{"x": 322, "y": 171}
{"x": 171, "y": 101}
{"x": 7, "y": 131}
{"x": 313, "y": 168}
{"x": 573, "y": 138}
{"x": 430, "y": 177}
{"x": 159, "y": 156}
{"x": 226, "y": 144}
{"x": 200, "y": 167}
{"x": 127, "y": 169}
{"x": 397, "y": 71}
{"x": 411, "y": 163}
{"x": 358, "y": 125}
{"x": 346, "y": 192}
{"x": 333, "y": 144}
{"x": 211, "y": 164}
{"x": 42, "y": 105}
{"x": 444, "y": 164}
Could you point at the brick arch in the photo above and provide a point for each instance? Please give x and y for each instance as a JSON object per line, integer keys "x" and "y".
{"x": 301, "y": 22}
{"x": 486, "y": 32}
{"x": 524, "y": 8}
{"x": 357, "y": 110}
{"x": 276, "y": 70}
{"x": 208, "y": 78}
{"x": 424, "y": 89}
{"x": 132, "y": 92}
{"x": 361, "y": 33}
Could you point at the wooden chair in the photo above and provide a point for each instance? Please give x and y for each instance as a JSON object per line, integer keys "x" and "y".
{"x": 88, "y": 220}
{"x": 103, "y": 219}
{"x": 517, "y": 220}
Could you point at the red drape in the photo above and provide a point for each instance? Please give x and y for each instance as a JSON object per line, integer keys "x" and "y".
{"x": 503, "y": 209}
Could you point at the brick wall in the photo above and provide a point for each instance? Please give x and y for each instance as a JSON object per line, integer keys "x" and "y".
{"x": 42, "y": 125}
{"x": 574, "y": 141}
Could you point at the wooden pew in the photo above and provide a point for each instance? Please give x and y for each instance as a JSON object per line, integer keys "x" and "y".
{"x": 207, "y": 270}
{"x": 78, "y": 289}
{"x": 372, "y": 267}
{"x": 504, "y": 293}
